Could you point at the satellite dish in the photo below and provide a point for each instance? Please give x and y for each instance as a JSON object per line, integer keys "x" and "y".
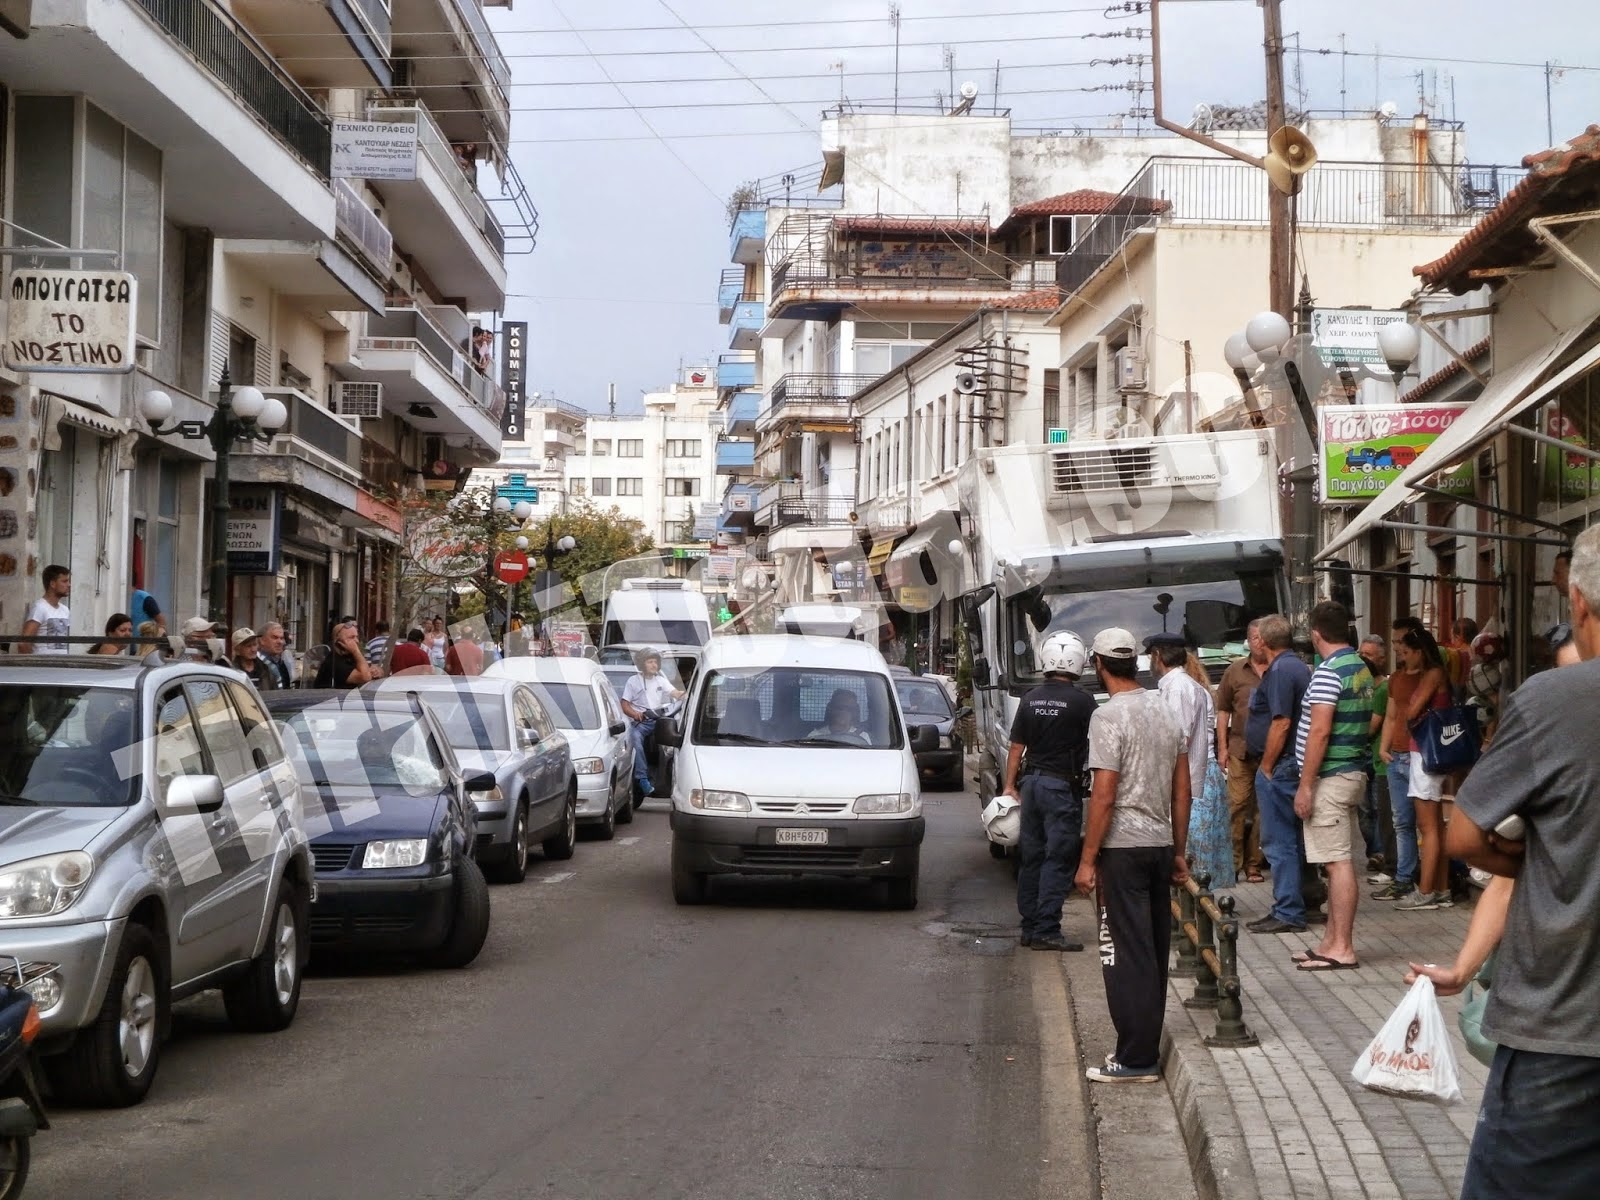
{"x": 969, "y": 90}
{"x": 1389, "y": 110}
{"x": 1203, "y": 117}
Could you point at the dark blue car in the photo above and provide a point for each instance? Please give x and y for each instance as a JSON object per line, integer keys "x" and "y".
{"x": 392, "y": 826}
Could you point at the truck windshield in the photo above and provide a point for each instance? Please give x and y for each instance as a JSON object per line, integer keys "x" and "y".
{"x": 67, "y": 746}
{"x": 656, "y": 631}
{"x": 1211, "y": 603}
{"x": 793, "y": 706}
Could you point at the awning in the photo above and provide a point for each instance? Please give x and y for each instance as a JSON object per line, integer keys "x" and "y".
{"x": 932, "y": 536}
{"x": 68, "y": 412}
{"x": 879, "y": 554}
{"x": 1507, "y": 394}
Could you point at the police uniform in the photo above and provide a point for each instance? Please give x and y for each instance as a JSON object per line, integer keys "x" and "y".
{"x": 1052, "y": 726}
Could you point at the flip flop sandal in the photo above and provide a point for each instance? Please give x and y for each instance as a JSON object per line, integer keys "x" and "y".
{"x": 1321, "y": 962}
{"x": 1255, "y": 877}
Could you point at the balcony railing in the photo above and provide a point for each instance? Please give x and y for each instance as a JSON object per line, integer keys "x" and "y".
{"x": 1335, "y": 195}
{"x": 734, "y": 454}
{"x": 483, "y": 37}
{"x": 437, "y": 147}
{"x": 736, "y": 371}
{"x": 241, "y": 64}
{"x": 785, "y": 504}
{"x": 409, "y": 329}
{"x": 729, "y": 288}
{"x": 378, "y": 20}
{"x": 743, "y": 411}
{"x": 825, "y": 390}
{"x": 338, "y": 446}
{"x": 361, "y": 225}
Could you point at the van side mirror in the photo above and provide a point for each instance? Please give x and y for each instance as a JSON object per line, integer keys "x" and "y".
{"x": 193, "y": 794}
{"x": 924, "y": 738}
{"x": 668, "y": 732}
{"x": 981, "y": 675}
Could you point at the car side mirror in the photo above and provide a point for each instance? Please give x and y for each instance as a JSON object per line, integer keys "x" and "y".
{"x": 963, "y": 712}
{"x": 668, "y": 732}
{"x": 981, "y": 675}
{"x": 193, "y": 794}
{"x": 924, "y": 738}
{"x": 617, "y": 729}
{"x": 484, "y": 781}
{"x": 527, "y": 738}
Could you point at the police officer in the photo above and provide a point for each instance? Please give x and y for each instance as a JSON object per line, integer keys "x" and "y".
{"x": 1049, "y": 747}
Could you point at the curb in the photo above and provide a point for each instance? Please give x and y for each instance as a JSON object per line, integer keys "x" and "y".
{"x": 1218, "y": 1154}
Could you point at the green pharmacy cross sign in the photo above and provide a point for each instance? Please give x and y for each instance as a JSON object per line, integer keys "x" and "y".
{"x": 517, "y": 487}
{"x": 1366, "y": 446}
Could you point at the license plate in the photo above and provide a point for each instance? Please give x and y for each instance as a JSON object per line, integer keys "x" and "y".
{"x": 802, "y": 837}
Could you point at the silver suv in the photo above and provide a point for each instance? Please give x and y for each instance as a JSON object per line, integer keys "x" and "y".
{"x": 151, "y": 846}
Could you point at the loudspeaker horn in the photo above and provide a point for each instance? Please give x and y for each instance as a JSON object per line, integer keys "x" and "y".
{"x": 1290, "y": 155}
{"x": 967, "y": 383}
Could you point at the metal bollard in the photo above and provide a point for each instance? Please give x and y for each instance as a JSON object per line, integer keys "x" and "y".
{"x": 1188, "y": 952}
{"x": 1231, "y": 1030}
{"x": 1205, "y": 980}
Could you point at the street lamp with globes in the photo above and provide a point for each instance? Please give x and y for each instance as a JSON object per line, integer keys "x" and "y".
{"x": 241, "y": 413}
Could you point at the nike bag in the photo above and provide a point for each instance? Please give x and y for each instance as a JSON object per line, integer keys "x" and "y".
{"x": 1412, "y": 1055}
{"x": 1447, "y": 739}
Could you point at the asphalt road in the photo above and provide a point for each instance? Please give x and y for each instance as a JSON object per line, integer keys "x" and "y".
{"x": 787, "y": 1041}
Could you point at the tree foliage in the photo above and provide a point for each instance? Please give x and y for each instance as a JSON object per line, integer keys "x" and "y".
{"x": 604, "y": 537}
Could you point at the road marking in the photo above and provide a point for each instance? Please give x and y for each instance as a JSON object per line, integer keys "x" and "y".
{"x": 558, "y": 877}
{"x": 627, "y": 841}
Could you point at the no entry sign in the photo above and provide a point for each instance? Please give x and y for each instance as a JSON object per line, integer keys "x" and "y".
{"x": 511, "y": 566}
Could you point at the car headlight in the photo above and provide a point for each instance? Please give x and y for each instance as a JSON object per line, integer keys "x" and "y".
{"x": 589, "y": 766}
{"x": 493, "y": 793}
{"x": 884, "y": 802}
{"x": 726, "y": 801}
{"x": 403, "y": 852}
{"x": 42, "y": 887}
{"x": 945, "y": 741}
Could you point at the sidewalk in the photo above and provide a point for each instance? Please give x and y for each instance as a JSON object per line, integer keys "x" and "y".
{"x": 1285, "y": 1118}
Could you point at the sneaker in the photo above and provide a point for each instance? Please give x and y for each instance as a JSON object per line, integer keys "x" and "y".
{"x": 1394, "y": 891}
{"x": 1053, "y": 941}
{"x": 1115, "y": 1072}
{"x": 1024, "y": 940}
{"x": 1443, "y": 900}
{"x": 1380, "y": 877}
{"x": 1480, "y": 877}
{"x": 1418, "y": 902}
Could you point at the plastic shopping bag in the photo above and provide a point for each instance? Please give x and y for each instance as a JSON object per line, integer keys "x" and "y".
{"x": 1412, "y": 1055}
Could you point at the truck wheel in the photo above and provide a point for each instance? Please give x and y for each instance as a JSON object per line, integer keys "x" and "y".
{"x": 265, "y": 997}
{"x": 688, "y": 887}
{"x": 469, "y": 924}
{"x": 112, "y": 1062}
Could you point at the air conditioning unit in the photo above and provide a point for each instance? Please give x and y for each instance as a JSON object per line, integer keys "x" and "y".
{"x": 1128, "y": 369}
{"x": 362, "y": 401}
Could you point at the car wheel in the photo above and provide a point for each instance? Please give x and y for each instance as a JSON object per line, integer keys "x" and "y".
{"x": 688, "y": 887}
{"x": 469, "y": 924}
{"x": 561, "y": 845}
{"x": 265, "y": 997}
{"x": 112, "y": 1063}
{"x": 15, "y": 1155}
{"x": 996, "y": 850}
{"x": 900, "y": 893}
{"x": 625, "y": 809}
{"x": 607, "y": 829}
{"x": 513, "y": 868}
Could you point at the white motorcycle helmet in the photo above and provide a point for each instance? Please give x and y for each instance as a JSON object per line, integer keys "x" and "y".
{"x": 1063, "y": 652}
{"x": 1002, "y": 821}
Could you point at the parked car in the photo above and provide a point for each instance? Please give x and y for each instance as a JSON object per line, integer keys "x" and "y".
{"x": 153, "y": 847}
{"x": 583, "y": 705}
{"x": 926, "y": 701}
{"x": 392, "y": 825}
{"x": 498, "y": 726}
{"x": 776, "y": 777}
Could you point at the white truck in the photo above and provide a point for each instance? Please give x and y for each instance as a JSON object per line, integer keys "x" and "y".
{"x": 1172, "y": 533}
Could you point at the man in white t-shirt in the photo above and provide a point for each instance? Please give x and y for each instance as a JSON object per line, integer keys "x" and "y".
{"x": 642, "y": 699}
{"x": 50, "y": 614}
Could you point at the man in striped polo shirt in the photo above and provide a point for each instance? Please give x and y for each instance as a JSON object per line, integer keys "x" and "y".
{"x": 1333, "y": 743}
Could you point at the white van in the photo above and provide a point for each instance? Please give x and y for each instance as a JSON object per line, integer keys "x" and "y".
{"x": 794, "y": 759}
{"x": 662, "y": 613}
{"x": 828, "y": 620}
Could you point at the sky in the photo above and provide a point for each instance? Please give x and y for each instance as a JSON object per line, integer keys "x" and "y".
{"x": 634, "y": 120}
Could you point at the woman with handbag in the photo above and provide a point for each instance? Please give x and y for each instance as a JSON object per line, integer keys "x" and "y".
{"x": 1420, "y": 684}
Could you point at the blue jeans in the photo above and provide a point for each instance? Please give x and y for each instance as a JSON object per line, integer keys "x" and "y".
{"x": 1536, "y": 1137}
{"x": 1407, "y": 867}
{"x": 1052, "y": 824}
{"x": 1281, "y": 840}
{"x": 641, "y": 766}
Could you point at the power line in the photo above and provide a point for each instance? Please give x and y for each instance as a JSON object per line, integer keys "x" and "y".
{"x": 968, "y": 16}
{"x": 1436, "y": 58}
{"x": 1054, "y": 128}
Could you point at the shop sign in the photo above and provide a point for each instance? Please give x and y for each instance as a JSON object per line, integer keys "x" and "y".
{"x": 70, "y": 322}
{"x": 1366, "y": 446}
{"x": 513, "y": 380}
{"x": 254, "y": 530}
{"x": 914, "y": 599}
{"x": 1348, "y": 337}
{"x": 741, "y": 502}
{"x": 375, "y": 150}
{"x": 1568, "y": 476}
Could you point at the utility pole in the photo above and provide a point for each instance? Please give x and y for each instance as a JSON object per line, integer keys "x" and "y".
{"x": 1280, "y": 275}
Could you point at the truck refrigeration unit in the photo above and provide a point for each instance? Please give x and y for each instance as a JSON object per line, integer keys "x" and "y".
{"x": 1176, "y": 533}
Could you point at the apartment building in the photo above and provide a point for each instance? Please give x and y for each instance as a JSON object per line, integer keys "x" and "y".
{"x": 658, "y": 466}
{"x": 224, "y": 157}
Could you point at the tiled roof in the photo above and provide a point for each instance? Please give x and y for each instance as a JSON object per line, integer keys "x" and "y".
{"x": 1446, "y": 373}
{"x": 1561, "y": 179}
{"x": 1039, "y": 300}
{"x": 903, "y": 225}
{"x": 1083, "y": 202}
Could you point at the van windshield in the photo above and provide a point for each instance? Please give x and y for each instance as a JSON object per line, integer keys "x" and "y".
{"x": 797, "y": 706}
{"x": 71, "y": 747}
{"x": 656, "y": 631}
